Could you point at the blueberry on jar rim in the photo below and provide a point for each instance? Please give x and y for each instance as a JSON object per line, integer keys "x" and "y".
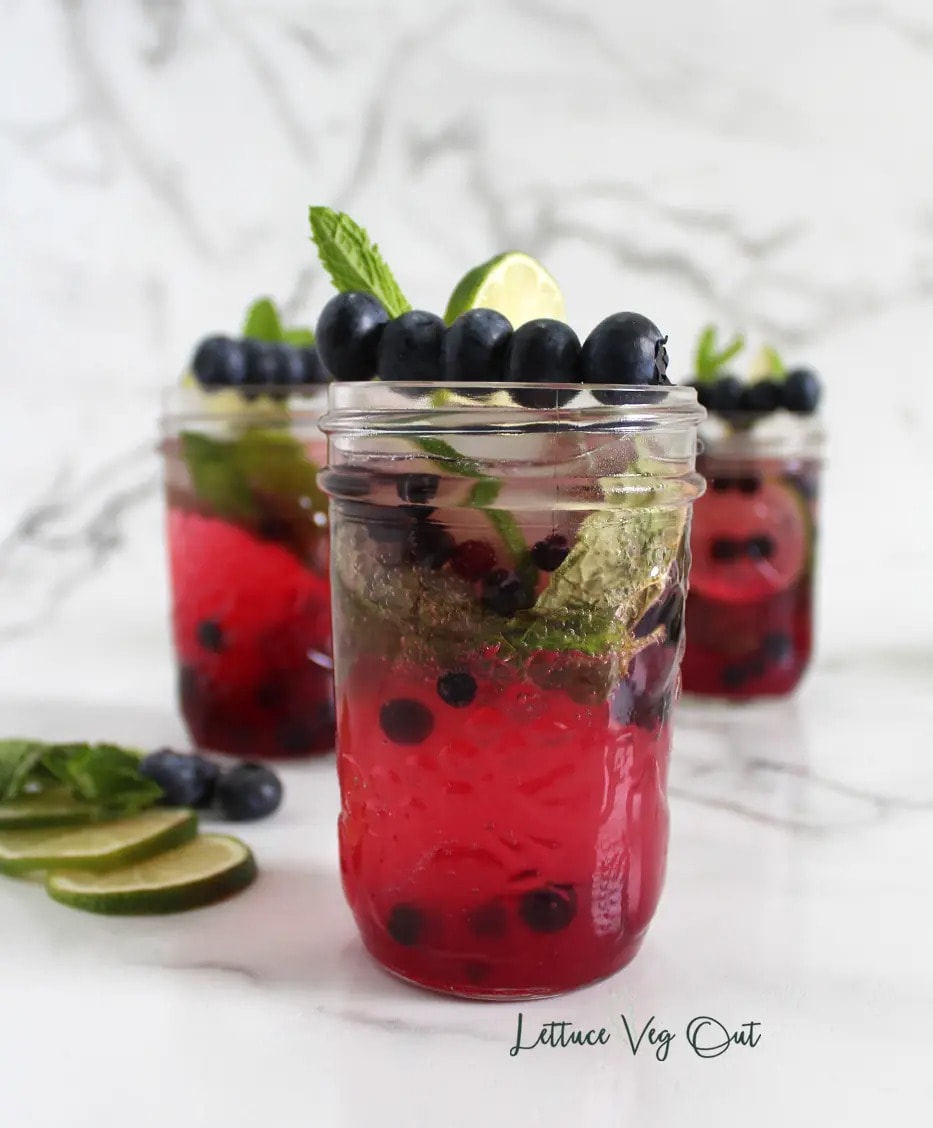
{"x": 544, "y": 352}
{"x": 476, "y": 348}
{"x": 220, "y": 362}
{"x": 348, "y": 335}
{"x": 626, "y": 349}
{"x": 411, "y": 348}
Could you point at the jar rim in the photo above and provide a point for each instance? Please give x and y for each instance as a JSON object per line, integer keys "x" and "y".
{"x": 186, "y": 404}
{"x": 402, "y": 407}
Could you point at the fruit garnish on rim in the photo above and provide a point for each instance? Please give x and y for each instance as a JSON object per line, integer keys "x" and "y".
{"x": 769, "y": 385}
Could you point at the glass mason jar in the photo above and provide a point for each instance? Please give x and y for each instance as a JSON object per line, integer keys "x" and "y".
{"x": 754, "y": 536}
{"x": 508, "y": 588}
{"x": 248, "y": 548}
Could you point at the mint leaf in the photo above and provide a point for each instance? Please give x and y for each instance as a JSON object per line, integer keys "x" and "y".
{"x": 774, "y": 361}
{"x": 709, "y": 360}
{"x": 731, "y": 350}
{"x": 103, "y": 774}
{"x": 216, "y": 476}
{"x": 18, "y": 760}
{"x": 301, "y": 338}
{"x": 705, "y": 350}
{"x": 262, "y": 322}
{"x": 352, "y": 260}
{"x": 484, "y": 492}
{"x": 441, "y": 451}
{"x": 616, "y": 569}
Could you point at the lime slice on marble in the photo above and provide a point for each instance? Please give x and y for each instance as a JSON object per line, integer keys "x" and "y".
{"x": 514, "y": 284}
{"x": 47, "y": 809}
{"x": 97, "y": 847}
{"x": 201, "y": 872}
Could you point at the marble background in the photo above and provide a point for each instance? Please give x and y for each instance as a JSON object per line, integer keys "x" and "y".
{"x": 756, "y": 164}
{"x": 762, "y": 165}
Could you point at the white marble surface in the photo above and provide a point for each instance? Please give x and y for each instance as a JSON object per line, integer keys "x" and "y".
{"x": 760, "y": 165}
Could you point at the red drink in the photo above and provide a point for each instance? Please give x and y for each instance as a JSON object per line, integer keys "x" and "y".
{"x": 750, "y": 608}
{"x": 248, "y": 555}
{"x": 505, "y": 679}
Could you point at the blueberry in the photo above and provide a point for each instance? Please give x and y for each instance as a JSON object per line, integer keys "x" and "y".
{"x": 457, "y": 689}
{"x": 248, "y": 791}
{"x": 622, "y": 703}
{"x": 186, "y": 780}
{"x": 734, "y": 677}
{"x": 412, "y": 347}
{"x": 472, "y": 559}
{"x": 417, "y": 488}
{"x": 660, "y": 614}
{"x": 703, "y": 389}
{"x": 489, "y": 921}
{"x": 275, "y": 365}
{"x": 801, "y": 391}
{"x": 544, "y": 352}
{"x": 721, "y": 485}
{"x": 211, "y": 635}
{"x": 649, "y": 713}
{"x": 760, "y": 547}
{"x": 748, "y": 484}
{"x": 777, "y": 647}
{"x": 625, "y": 348}
{"x": 406, "y": 925}
{"x": 760, "y": 397}
{"x": 313, "y": 371}
{"x": 723, "y": 549}
{"x": 550, "y": 553}
{"x": 429, "y": 545}
{"x": 476, "y": 348}
{"x": 549, "y": 909}
{"x": 505, "y": 593}
{"x": 348, "y": 334}
{"x": 725, "y": 395}
{"x": 310, "y": 732}
{"x": 348, "y": 483}
{"x": 406, "y": 721}
{"x": 220, "y": 362}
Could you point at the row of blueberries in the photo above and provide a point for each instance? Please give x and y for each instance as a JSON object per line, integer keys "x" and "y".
{"x": 798, "y": 392}
{"x": 548, "y": 909}
{"x": 357, "y": 341}
{"x": 239, "y": 793}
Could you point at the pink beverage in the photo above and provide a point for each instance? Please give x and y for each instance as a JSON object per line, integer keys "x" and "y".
{"x": 248, "y": 554}
{"x": 508, "y": 590}
{"x": 753, "y": 542}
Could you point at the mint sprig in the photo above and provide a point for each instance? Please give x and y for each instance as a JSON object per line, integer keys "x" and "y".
{"x": 240, "y": 479}
{"x": 710, "y": 359}
{"x": 263, "y": 322}
{"x": 104, "y": 775}
{"x": 352, "y": 260}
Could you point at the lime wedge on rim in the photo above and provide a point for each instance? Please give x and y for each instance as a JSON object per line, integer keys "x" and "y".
{"x": 47, "y": 809}
{"x": 208, "y": 869}
{"x": 101, "y": 846}
{"x": 514, "y": 284}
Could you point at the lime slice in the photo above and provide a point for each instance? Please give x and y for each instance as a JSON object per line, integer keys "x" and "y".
{"x": 208, "y": 869}
{"x": 50, "y": 808}
{"x": 96, "y": 847}
{"x": 514, "y": 284}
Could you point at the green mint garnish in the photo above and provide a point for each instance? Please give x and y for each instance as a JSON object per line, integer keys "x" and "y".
{"x": 104, "y": 775}
{"x": 238, "y": 480}
{"x": 263, "y": 322}
{"x": 710, "y": 359}
{"x": 774, "y": 361}
{"x": 352, "y": 260}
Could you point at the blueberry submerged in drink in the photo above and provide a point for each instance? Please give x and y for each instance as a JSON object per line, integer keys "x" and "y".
{"x": 505, "y": 675}
{"x": 750, "y": 609}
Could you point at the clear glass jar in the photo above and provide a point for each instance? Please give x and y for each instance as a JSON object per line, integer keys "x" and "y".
{"x": 754, "y": 541}
{"x": 508, "y": 588}
{"x": 248, "y": 548}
